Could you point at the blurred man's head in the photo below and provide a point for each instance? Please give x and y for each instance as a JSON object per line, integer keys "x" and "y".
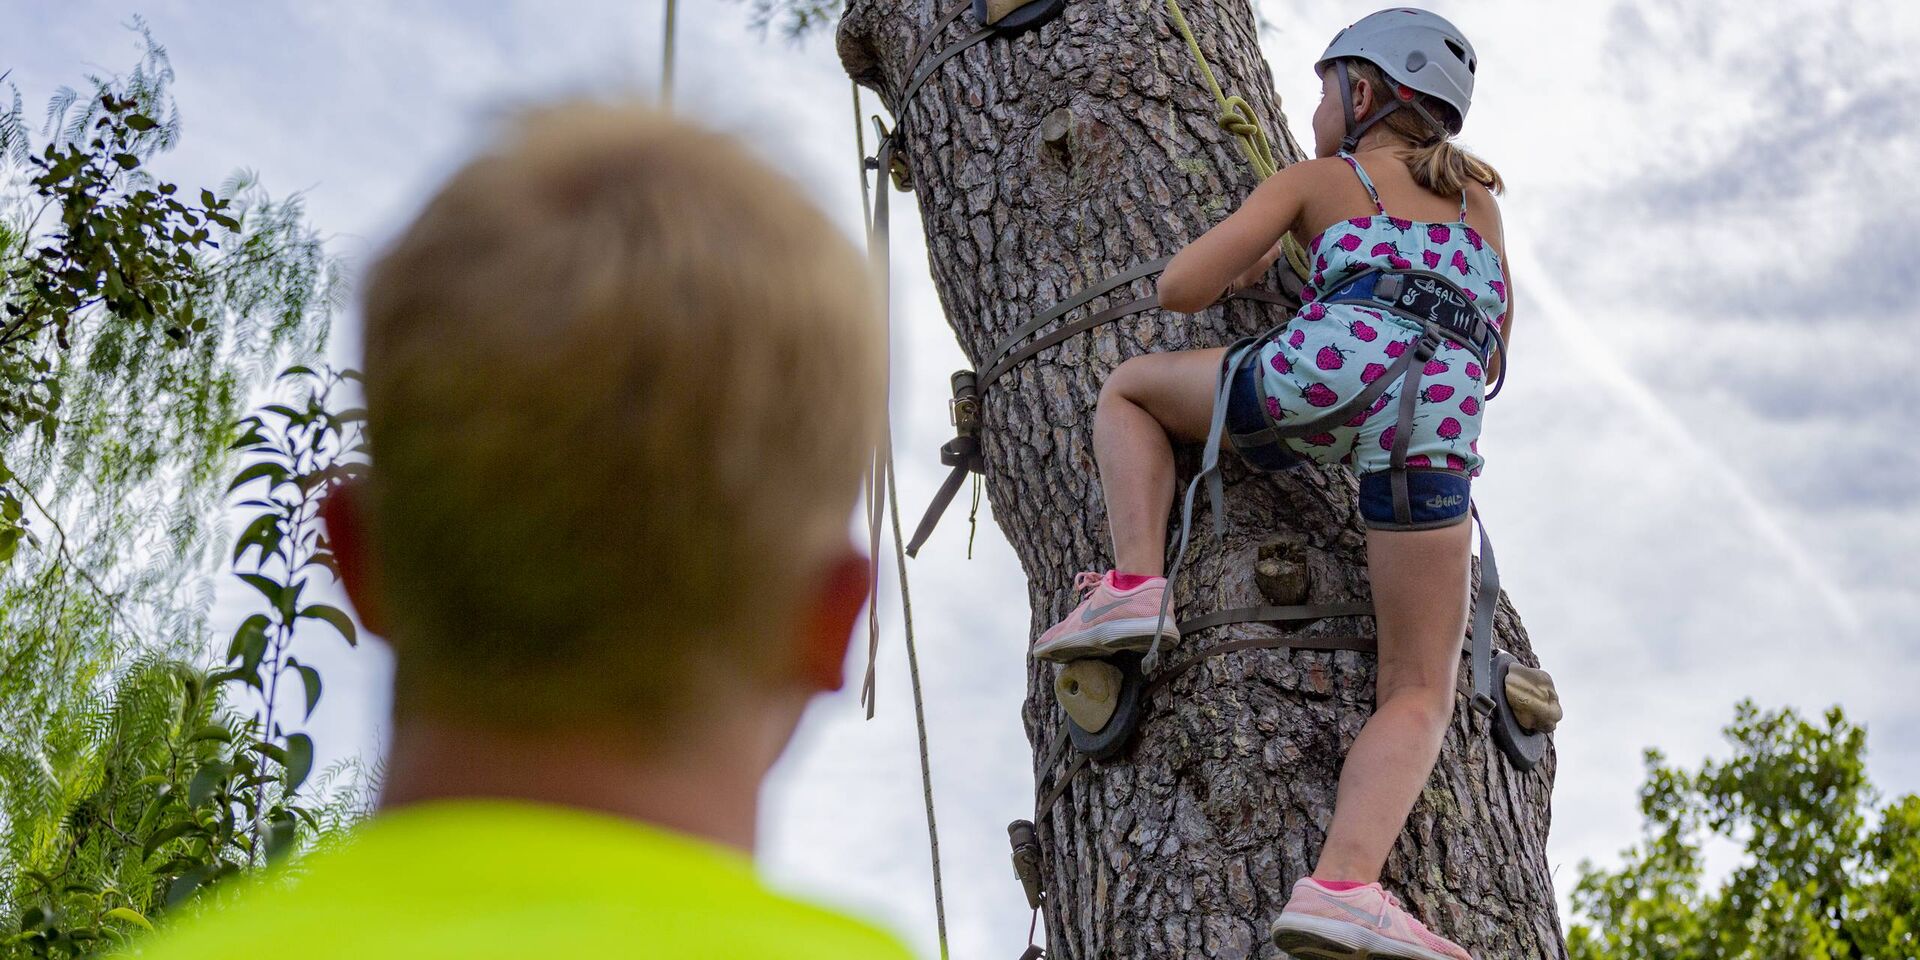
{"x": 622, "y": 380}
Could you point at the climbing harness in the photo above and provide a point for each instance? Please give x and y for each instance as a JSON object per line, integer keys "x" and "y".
{"x": 1105, "y": 700}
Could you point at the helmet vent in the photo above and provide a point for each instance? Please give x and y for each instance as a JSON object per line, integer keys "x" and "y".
{"x": 1461, "y": 53}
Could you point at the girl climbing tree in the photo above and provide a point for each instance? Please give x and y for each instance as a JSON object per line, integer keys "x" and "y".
{"x": 1046, "y": 161}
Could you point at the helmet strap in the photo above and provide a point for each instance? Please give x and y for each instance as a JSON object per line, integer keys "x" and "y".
{"x": 1357, "y": 130}
{"x": 1387, "y": 105}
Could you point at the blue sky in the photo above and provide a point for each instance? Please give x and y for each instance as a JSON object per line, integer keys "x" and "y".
{"x": 1701, "y": 476}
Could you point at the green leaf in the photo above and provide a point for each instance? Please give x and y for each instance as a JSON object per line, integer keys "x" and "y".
{"x": 265, "y": 468}
{"x": 140, "y": 122}
{"x": 172, "y": 832}
{"x": 249, "y": 642}
{"x": 127, "y": 161}
{"x": 267, "y": 587}
{"x": 299, "y": 760}
{"x": 311, "y": 679}
{"x": 205, "y": 781}
{"x": 130, "y": 915}
{"x": 211, "y": 732}
{"x": 335, "y": 616}
{"x": 263, "y": 532}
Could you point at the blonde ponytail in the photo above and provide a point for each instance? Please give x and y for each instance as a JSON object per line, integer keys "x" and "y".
{"x": 1435, "y": 161}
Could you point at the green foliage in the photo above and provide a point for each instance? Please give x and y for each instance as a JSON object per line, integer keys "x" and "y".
{"x": 134, "y": 326}
{"x": 1816, "y": 880}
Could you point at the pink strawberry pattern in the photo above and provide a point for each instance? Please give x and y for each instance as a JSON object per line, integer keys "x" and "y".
{"x": 1320, "y": 395}
{"x": 1316, "y": 365}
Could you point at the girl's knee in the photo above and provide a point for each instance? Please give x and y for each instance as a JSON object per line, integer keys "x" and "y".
{"x": 1124, "y": 381}
{"x": 1433, "y": 702}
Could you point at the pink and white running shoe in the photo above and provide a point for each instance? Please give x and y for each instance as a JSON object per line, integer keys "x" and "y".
{"x": 1107, "y": 620}
{"x": 1364, "y": 923}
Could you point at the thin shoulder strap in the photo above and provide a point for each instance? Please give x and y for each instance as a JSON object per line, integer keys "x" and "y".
{"x": 1463, "y": 204}
{"x": 1367, "y": 182}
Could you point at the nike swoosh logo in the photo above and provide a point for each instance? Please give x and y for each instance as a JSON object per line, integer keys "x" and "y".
{"x": 1378, "y": 923}
{"x": 1093, "y": 612}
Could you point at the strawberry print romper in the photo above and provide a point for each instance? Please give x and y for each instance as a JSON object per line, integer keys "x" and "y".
{"x": 1328, "y": 352}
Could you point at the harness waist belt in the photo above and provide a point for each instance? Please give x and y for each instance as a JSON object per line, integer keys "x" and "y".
{"x": 1423, "y": 298}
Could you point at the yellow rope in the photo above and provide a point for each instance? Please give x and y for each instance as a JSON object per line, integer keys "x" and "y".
{"x": 1237, "y": 118}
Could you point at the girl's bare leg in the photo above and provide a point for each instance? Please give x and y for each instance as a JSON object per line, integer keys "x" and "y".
{"x": 1148, "y": 402}
{"x": 1420, "y": 605}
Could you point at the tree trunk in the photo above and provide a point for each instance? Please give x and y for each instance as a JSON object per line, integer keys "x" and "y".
{"x": 1046, "y": 162}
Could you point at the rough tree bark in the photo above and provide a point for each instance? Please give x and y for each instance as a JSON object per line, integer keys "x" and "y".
{"x": 1044, "y": 163}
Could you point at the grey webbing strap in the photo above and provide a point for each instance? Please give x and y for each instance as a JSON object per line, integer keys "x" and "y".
{"x": 951, "y": 486}
{"x": 1079, "y": 299}
{"x": 1027, "y": 352}
{"x": 1210, "y": 472}
{"x": 1365, "y": 398}
{"x": 1271, "y": 614}
{"x": 1484, "y": 602}
{"x": 1043, "y": 808}
{"x": 932, "y": 64}
{"x": 1110, "y": 314}
{"x": 938, "y": 508}
{"x": 1403, "y": 425}
{"x": 934, "y": 31}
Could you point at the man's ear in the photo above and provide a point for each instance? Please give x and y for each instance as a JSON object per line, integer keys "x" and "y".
{"x": 826, "y": 627}
{"x": 345, "y": 515}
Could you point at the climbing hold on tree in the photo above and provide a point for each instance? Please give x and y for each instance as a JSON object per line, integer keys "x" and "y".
{"x": 1089, "y": 690}
{"x": 1103, "y": 700}
{"x": 1536, "y": 705}
{"x": 1523, "y": 747}
{"x": 1016, "y": 16}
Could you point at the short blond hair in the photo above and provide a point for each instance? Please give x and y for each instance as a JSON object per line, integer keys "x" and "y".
{"x": 622, "y": 381}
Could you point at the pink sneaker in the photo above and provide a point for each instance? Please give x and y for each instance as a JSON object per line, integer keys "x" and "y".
{"x": 1364, "y": 923}
{"x": 1107, "y": 620}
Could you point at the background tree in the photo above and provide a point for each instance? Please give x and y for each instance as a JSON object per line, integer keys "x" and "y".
{"x": 1044, "y": 163}
{"x": 137, "y": 319}
{"x": 1814, "y": 880}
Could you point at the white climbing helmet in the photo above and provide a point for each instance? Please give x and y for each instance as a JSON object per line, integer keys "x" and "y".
{"x": 1417, "y": 49}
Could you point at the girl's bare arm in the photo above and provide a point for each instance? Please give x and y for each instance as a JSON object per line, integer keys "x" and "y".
{"x": 1202, "y": 271}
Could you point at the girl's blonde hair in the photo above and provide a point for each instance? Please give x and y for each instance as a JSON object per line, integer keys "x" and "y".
{"x": 1435, "y": 161}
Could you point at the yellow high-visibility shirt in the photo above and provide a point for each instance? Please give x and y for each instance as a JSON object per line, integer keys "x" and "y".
{"x": 491, "y": 879}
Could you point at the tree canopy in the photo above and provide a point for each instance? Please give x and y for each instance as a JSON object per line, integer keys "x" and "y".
{"x": 1818, "y": 878}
